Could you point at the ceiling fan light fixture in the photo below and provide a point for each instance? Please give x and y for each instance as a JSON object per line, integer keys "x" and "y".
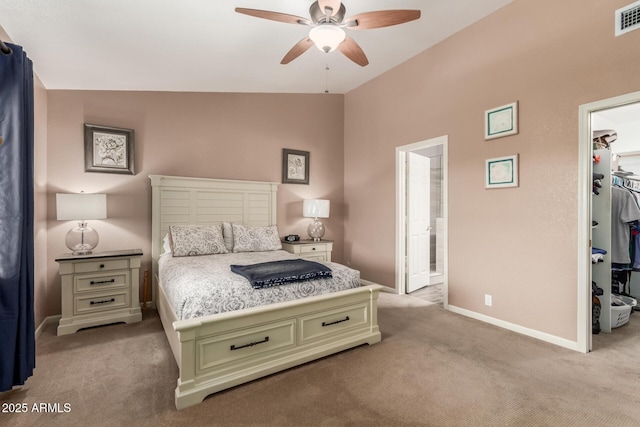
{"x": 327, "y": 37}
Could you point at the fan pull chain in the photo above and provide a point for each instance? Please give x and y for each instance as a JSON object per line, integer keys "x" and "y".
{"x": 326, "y": 79}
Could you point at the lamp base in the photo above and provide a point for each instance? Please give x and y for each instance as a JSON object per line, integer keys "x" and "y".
{"x": 316, "y": 230}
{"x": 82, "y": 239}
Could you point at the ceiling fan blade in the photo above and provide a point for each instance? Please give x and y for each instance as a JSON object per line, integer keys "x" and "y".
{"x": 353, "y": 51}
{"x": 333, "y": 4}
{"x": 297, "y": 50}
{"x": 274, "y": 16}
{"x": 381, "y": 18}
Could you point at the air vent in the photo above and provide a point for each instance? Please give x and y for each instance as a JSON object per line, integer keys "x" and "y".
{"x": 628, "y": 18}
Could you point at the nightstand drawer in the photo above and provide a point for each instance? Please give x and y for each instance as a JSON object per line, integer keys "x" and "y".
{"x": 318, "y": 251}
{"x": 322, "y": 256}
{"x": 92, "y": 303}
{"x": 96, "y": 282}
{"x": 104, "y": 265}
{"x": 313, "y": 248}
{"x": 335, "y": 322}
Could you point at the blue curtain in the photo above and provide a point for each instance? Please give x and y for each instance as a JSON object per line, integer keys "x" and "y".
{"x": 17, "y": 330}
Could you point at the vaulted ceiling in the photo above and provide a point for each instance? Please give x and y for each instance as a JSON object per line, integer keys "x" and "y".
{"x": 205, "y": 46}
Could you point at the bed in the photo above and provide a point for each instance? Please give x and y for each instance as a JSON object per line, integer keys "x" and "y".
{"x": 219, "y": 349}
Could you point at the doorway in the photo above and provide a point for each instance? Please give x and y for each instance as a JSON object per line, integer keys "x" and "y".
{"x": 588, "y": 119}
{"x": 421, "y": 216}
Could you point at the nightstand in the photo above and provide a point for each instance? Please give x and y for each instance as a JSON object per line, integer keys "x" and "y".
{"x": 99, "y": 288}
{"x": 320, "y": 251}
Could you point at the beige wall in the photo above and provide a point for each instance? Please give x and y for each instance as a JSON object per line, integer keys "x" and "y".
{"x": 519, "y": 245}
{"x": 216, "y": 135}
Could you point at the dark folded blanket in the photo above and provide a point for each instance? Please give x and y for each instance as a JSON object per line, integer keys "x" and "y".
{"x": 266, "y": 274}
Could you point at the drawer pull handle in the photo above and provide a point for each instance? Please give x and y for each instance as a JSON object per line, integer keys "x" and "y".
{"x": 101, "y": 265}
{"x": 346, "y": 319}
{"x": 104, "y": 301}
{"x": 313, "y": 249}
{"x": 251, "y": 344}
{"x": 102, "y": 282}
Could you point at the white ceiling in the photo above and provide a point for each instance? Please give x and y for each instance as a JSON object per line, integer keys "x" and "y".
{"x": 623, "y": 115}
{"x": 625, "y": 120}
{"x": 204, "y": 46}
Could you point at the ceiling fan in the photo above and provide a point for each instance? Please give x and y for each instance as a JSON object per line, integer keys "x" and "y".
{"x": 327, "y": 23}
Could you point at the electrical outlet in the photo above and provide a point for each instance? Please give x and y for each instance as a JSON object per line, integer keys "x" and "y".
{"x": 487, "y": 300}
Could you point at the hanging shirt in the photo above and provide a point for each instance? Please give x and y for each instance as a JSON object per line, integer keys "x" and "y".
{"x": 624, "y": 210}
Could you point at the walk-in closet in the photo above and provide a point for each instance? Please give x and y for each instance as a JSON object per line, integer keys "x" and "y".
{"x": 615, "y": 214}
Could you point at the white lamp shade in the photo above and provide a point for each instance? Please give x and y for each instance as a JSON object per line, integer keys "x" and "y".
{"x": 77, "y": 207}
{"x": 315, "y": 208}
{"x": 327, "y": 37}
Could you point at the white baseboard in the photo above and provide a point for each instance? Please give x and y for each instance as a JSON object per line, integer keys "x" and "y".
{"x": 562, "y": 342}
{"x": 149, "y": 306}
{"x": 45, "y": 322}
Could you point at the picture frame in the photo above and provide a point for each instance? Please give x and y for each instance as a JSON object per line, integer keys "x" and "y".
{"x": 501, "y": 121}
{"x": 501, "y": 172}
{"x": 108, "y": 149}
{"x": 295, "y": 166}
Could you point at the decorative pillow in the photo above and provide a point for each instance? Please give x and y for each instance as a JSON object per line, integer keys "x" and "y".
{"x": 248, "y": 238}
{"x": 191, "y": 240}
{"x": 227, "y": 234}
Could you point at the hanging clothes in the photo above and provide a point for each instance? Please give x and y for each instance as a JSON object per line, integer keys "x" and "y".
{"x": 624, "y": 210}
{"x": 17, "y": 330}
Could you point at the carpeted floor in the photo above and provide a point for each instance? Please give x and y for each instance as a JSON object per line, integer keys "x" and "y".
{"x": 432, "y": 368}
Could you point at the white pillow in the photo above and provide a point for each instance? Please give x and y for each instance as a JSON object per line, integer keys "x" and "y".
{"x": 166, "y": 244}
{"x": 192, "y": 240}
{"x": 227, "y": 234}
{"x": 251, "y": 238}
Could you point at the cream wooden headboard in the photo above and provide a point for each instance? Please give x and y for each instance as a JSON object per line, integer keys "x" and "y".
{"x": 202, "y": 201}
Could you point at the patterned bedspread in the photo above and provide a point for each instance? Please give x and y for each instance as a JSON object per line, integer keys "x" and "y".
{"x": 203, "y": 285}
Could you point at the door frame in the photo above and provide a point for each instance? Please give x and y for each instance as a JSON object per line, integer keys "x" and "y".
{"x": 401, "y": 209}
{"x": 585, "y": 187}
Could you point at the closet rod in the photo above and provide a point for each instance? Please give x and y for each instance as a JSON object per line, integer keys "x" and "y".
{"x": 4, "y": 48}
{"x": 628, "y": 154}
{"x": 629, "y": 177}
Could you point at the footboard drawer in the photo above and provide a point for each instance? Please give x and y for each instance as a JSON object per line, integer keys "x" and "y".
{"x": 244, "y": 345}
{"x": 334, "y": 322}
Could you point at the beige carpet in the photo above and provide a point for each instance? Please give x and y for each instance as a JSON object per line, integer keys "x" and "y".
{"x": 433, "y": 368}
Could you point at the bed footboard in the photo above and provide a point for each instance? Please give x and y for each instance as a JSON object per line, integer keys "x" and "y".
{"x": 224, "y": 350}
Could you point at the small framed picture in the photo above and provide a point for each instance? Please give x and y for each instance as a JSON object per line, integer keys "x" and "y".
{"x": 501, "y": 121}
{"x": 295, "y": 166}
{"x": 108, "y": 149}
{"x": 501, "y": 172}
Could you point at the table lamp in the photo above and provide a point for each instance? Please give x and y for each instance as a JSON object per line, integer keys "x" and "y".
{"x": 81, "y": 207}
{"x": 315, "y": 208}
